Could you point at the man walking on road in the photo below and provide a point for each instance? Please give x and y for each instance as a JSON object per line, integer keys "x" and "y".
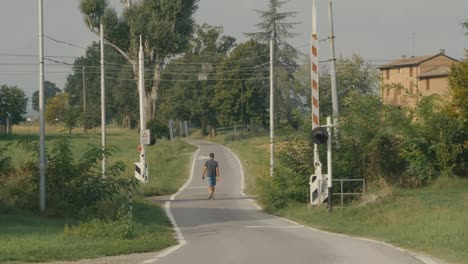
{"x": 212, "y": 169}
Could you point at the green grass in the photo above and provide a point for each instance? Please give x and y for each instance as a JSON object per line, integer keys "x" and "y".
{"x": 432, "y": 219}
{"x": 26, "y": 237}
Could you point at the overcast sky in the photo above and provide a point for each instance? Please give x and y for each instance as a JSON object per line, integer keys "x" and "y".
{"x": 378, "y": 30}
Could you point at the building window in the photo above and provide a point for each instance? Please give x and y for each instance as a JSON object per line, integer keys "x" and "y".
{"x": 387, "y": 74}
{"x": 428, "y": 84}
{"x": 388, "y": 91}
{"x": 411, "y": 87}
{"x": 411, "y": 72}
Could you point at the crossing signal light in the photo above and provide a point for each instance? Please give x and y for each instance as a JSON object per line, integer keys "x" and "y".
{"x": 320, "y": 135}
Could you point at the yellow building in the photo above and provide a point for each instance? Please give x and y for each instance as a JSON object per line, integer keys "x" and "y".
{"x": 404, "y": 81}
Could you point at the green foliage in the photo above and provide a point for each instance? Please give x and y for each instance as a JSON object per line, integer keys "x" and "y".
{"x": 56, "y": 108}
{"x": 243, "y": 97}
{"x": 50, "y": 90}
{"x": 13, "y": 104}
{"x": 165, "y": 25}
{"x": 73, "y": 185}
{"x": 122, "y": 228}
{"x": 275, "y": 25}
{"x": 290, "y": 183}
{"x": 158, "y": 128}
{"x": 6, "y": 165}
{"x": 187, "y": 99}
{"x": 458, "y": 82}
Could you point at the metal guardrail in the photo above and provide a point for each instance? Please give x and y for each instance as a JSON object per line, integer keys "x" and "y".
{"x": 343, "y": 181}
{"x": 343, "y": 194}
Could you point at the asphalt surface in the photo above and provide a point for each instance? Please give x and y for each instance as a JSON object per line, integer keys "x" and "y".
{"x": 232, "y": 229}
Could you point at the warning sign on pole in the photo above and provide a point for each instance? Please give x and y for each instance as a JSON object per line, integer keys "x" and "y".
{"x": 145, "y": 137}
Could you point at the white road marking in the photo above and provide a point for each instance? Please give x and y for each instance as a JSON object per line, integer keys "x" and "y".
{"x": 167, "y": 207}
{"x": 202, "y": 157}
{"x": 276, "y": 227}
{"x": 149, "y": 261}
{"x": 241, "y": 171}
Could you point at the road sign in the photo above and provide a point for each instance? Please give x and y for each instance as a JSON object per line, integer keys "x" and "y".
{"x": 145, "y": 137}
{"x": 141, "y": 172}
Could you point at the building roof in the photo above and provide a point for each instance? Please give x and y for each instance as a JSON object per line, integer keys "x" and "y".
{"x": 411, "y": 61}
{"x": 439, "y": 71}
{"x": 405, "y": 61}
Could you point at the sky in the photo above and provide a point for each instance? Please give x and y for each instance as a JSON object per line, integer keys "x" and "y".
{"x": 378, "y": 30}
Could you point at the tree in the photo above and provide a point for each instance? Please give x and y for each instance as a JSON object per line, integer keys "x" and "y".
{"x": 241, "y": 94}
{"x": 186, "y": 98}
{"x": 458, "y": 82}
{"x": 50, "y": 90}
{"x": 13, "y": 104}
{"x": 274, "y": 26}
{"x": 56, "y": 108}
{"x": 87, "y": 68}
{"x": 165, "y": 26}
{"x": 353, "y": 74}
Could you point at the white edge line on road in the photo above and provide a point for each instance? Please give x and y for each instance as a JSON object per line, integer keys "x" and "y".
{"x": 422, "y": 258}
{"x": 241, "y": 170}
{"x": 167, "y": 207}
{"x": 276, "y": 227}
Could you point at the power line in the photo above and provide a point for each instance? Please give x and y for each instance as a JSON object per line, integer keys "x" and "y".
{"x": 63, "y": 42}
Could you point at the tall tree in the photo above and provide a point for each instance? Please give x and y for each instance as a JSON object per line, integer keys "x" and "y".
{"x": 275, "y": 26}
{"x": 241, "y": 94}
{"x": 165, "y": 26}
{"x": 185, "y": 98}
{"x": 50, "y": 90}
{"x": 86, "y": 68}
{"x": 353, "y": 74}
{"x": 13, "y": 104}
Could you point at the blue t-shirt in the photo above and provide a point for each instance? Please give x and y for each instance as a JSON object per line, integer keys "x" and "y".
{"x": 211, "y": 166}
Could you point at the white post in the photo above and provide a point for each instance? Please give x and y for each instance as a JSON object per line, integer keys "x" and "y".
{"x": 314, "y": 80}
{"x": 333, "y": 67}
{"x": 103, "y": 104}
{"x": 329, "y": 165}
{"x": 42, "y": 162}
{"x": 141, "y": 89}
{"x": 272, "y": 113}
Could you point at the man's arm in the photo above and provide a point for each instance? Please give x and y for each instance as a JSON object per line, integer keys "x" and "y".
{"x": 204, "y": 172}
{"x": 217, "y": 172}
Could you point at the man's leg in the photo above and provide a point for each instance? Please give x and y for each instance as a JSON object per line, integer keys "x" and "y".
{"x": 212, "y": 192}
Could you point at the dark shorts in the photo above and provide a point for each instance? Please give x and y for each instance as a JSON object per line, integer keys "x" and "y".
{"x": 212, "y": 181}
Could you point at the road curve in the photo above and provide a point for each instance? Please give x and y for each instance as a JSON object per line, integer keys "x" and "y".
{"x": 231, "y": 229}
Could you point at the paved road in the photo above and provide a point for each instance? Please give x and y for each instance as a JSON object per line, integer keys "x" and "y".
{"x": 231, "y": 229}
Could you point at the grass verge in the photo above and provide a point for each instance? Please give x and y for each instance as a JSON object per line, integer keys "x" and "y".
{"x": 432, "y": 219}
{"x": 27, "y": 237}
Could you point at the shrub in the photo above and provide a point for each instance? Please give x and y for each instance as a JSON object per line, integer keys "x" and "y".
{"x": 6, "y": 166}
{"x": 71, "y": 184}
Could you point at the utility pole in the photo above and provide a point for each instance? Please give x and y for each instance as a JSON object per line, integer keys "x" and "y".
{"x": 103, "y": 104}
{"x": 84, "y": 96}
{"x": 333, "y": 70}
{"x": 42, "y": 162}
{"x": 141, "y": 89}
{"x": 272, "y": 113}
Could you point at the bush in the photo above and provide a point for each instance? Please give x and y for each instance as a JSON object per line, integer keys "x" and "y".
{"x": 291, "y": 181}
{"x": 158, "y": 128}
{"x": 72, "y": 185}
{"x": 122, "y": 228}
{"x": 6, "y": 165}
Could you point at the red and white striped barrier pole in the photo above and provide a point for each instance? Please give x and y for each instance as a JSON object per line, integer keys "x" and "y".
{"x": 314, "y": 78}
